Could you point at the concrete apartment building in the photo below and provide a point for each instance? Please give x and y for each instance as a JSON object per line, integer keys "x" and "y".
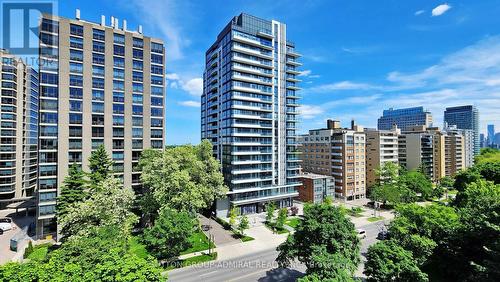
{"x": 404, "y": 119}
{"x": 18, "y": 130}
{"x": 99, "y": 84}
{"x": 438, "y": 153}
{"x": 465, "y": 117}
{"x": 316, "y": 188}
{"x": 381, "y": 148}
{"x": 249, "y": 113}
{"x": 339, "y": 152}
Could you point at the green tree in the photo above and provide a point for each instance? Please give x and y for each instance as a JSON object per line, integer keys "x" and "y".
{"x": 418, "y": 183}
{"x": 388, "y": 173}
{"x": 387, "y": 261}
{"x": 394, "y": 193}
{"x": 270, "y": 208}
{"x": 323, "y": 228}
{"x": 243, "y": 225}
{"x": 183, "y": 178}
{"x": 328, "y": 267}
{"x": 109, "y": 205}
{"x": 169, "y": 235}
{"x": 72, "y": 191}
{"x": 233, "y": 214}
{"x": 101, "y": 167}
{"x": 281, "y": 219}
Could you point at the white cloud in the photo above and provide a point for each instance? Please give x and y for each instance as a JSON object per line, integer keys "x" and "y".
{"x": 342, "y": 85}
{"x": 193, "y": 86}
{"x": 441, "y": 9}
{"x": 419, "y": 12}
{"x": 193, "y": 104}
{"x": 172, "y": 76}
{"x": 310, "y": 111}
{"x": 305, "y": 73}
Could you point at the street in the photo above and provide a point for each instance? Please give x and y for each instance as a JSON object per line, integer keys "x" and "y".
{"x": 258, "y": 266}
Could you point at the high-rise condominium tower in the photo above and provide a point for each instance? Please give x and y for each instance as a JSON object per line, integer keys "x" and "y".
{"x": 249, "y": 113}
{"x": 381, "y": 148}
{"x": 404, "y": 118}
{"x": 464, "y": 117}
{"x": 18, "y": 130}
{"x": 100, "y": 84}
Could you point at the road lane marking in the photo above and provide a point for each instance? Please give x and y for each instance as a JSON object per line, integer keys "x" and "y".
{"x": 206, "y": 274}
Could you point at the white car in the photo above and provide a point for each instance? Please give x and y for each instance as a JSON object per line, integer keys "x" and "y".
{"x": 5, "y": 226}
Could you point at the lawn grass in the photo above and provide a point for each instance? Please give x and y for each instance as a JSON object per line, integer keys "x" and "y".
{"x": 293, "y": 222}
{"x": 243, "y": 238}
{"x": 199, "y": 242}
{"x": 191, "y": 261}
{"x": 138, "y": 248}
{"x": 274, "y": 230}
{"x": 40, "y": 252}
{"x": 375, "y": 218}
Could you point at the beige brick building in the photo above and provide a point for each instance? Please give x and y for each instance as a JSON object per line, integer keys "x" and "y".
{"x": 381, "y": 147}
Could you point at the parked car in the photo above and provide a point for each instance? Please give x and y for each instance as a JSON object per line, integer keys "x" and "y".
{"x": 5, "y": 226}
{"x": 361, "y": 233}
{"x": 6, "y": 219}
{"x": 383, "y": 235}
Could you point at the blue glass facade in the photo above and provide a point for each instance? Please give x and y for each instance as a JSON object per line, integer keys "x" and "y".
{"x": 405, "y": 119}
{"x": 464, "y": 117}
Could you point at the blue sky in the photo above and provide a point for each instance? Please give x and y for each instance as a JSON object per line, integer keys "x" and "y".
{"x": 359, "y": 57}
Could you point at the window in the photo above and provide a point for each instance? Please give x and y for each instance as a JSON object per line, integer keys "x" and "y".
{"x": 97, "y": 95}
{"x": 119, "y": 50}
{"x": 76, "y": 42}
{"x": 48, "y": 52}
{"x": 97, "y": 132}
{"x": 49, "y": 170}
{"x": 118, "y": 108}
{"x": 75, "y": 106}
{"x": 155, "y": 90}
{"x": 98, "y": 34}
{"x": 98, "y": 83}
{"x": 76, "y": 67}
{"x": 136, "y": 132}
{"x": 136, "y": 121}
{"x": 98, "y": 46}
{"x": 47, "y": 91}
{"x": 156, "y": 133}
{"x": 137, "y": 54}
{"x": 118, "y": 132}
{"x": 75, "y": 131}
{"x": 118, "y": 85}
{"x": 137, "y": 76}
{"x": 136, "y": 110}
{"x": 137, "y": 65}
{"x": 75, "y": 80}
{"x": 50, "y": 26}
{"x": 50, "y": 105}
{"x": 76, "y": 55}
{"x": 75, "y": 118}
{"x": 137, "y": 98}
{"x": 118, "y": 120}
{"x": 48, "y": 130}
{"x": 98, "y": 58}
{"x": 49, "y": 39}
{"x": 157, "y": 144}
{"x": 119, "y": 73}
{"x": 75, "y": 144}
{"x": 119, "y": 38}
{"x": 156, "y": 59}
{"x": 156, "y": 112}
{"x": 156, "y": 122}
{"x": 75, "y": 93}
{"x": 48, "y": 78}
{"x": 74, "y": 157}
{"x": 76, "y": 29}
{"x": 156, "y": 47}
{"x": 98, "y": 71}
{"x": 96, "y": 143}
{"x": 46, "y": 118}
{"x": 156, "y": 69}
{"x": 118, "y": 62}
{"x": 118, "y": 144}
{"x": 136, "y": 144}
{"x": 97, "y": 107}
{"x": 156, "y": 80}
{"x": 117, "y": 155}
{"x": 137, "y": 87}
{"x": 137, "y": 42}
{"x": 97, "y": 120}
{"x": 156, "y": 101}
{"x": 118, "y": 97}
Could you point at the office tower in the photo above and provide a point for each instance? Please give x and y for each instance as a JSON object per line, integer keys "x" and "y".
{"x": 491, "y": 135}
{"x": 100, "y": 85}
{"x": 381, "y": 148}
{"x": 482, "y": 140}
{"x": 249, "y": 113}
{"x": 404, "y": 119}
{"x": 339, "y": 152}
{"x": 316, "y": 188}
{"x": 497, "y": 139}
{"x": 18, "y": 130}
{"x": 464, "y": 117}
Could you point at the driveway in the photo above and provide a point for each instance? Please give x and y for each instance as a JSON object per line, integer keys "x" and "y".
{"x": 221, "y": 236}
{"x": 19, "y": 221}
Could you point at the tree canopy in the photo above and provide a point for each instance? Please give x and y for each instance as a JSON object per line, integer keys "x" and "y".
{"x": 183, "y": 178}
{"x": 100, "y": 165}
{"x": 73, "y": 190}
{"x": 325, "y": 234}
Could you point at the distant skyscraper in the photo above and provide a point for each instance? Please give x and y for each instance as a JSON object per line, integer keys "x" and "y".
{"x": 464, "y": 117}
{"x": 104, "y": 86}
{"x": 482, "y": 140}
{"x": 491, "y": 134}
{"x": 404, "y": 118}
{"x": 249, "y": 113}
